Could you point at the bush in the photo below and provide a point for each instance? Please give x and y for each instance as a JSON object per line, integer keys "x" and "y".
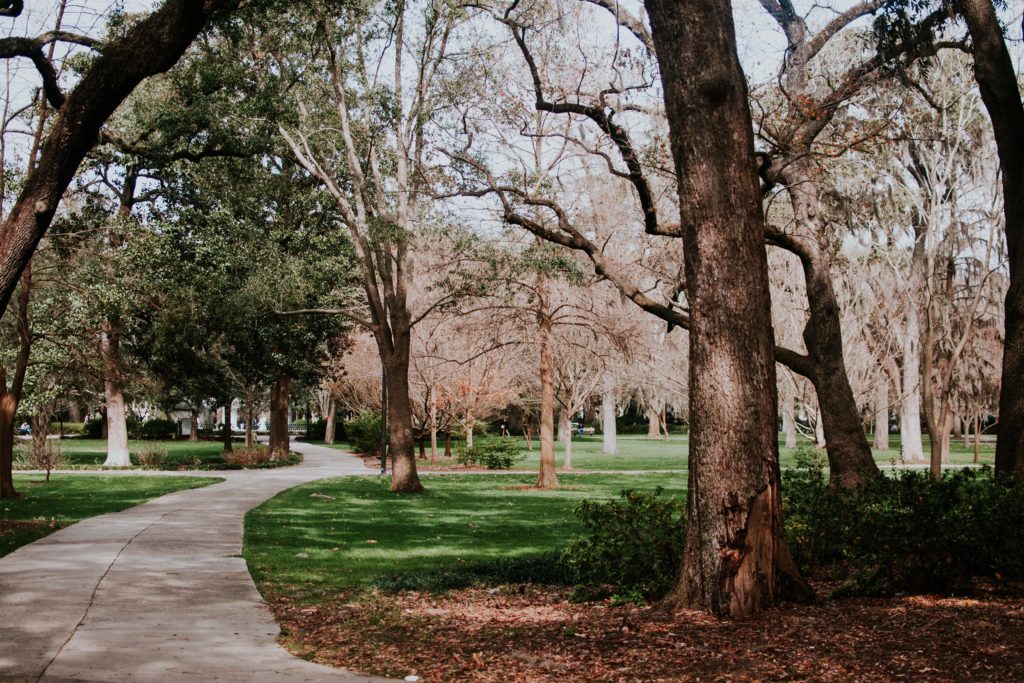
{"x": 67, "y": 428}
{"x": 248, "y": 457}
{"x": 906, "y": 533}
{"x": 318, "y": 430}
{"x": 93, "y": 428}
{"x": 633, "y": 546}
{"x": 494, "y": 454}
{"x": 40, "y": 454}
{"x": 364, "y": 432}
{"x": 152, "y": 457}
{"x": 158, "y": 429}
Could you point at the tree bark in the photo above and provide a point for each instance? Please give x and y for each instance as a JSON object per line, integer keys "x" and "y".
{"x": 10, "y": 396}
{"x": 997, "y": 81}
{"x": 468, "y": 425}
{"x": 250, "y": 437}
{"x": 609, "y": 438}
{"x": 735, "y": 560}
{"x": 433, "y": 427}
{"x": 151, "y": 46}
{"x": 113, "y": 391}
{"x": 280, "y": 442}
{"x": 881, "y": 430}
{"x": 788, "y": 419}
{"x": 546, "y": 477}
{"x": 332, "y": 415}
{"x": 448, "y": 444}
{"x": 912, "y": 446}
{"x": 226, "y": 428}
{"x": 404, "y": 477}
{"x": 653, "y": 422}
{"x": 193, "y": 424}
{"x": 566, "y": 434}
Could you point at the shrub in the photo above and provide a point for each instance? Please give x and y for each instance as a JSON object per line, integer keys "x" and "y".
{"x": 907, "y": 532}
{"x": 67, "y": 428}
{"x": 633, "y": 546}
{"x": 494, "y": 454}
{"x": 158, "y": 429}
{"x": 248, "y": 457}
{"x": 93, "y": 428}
{"x": 364, "y": 432}
{"x": 317, "y": 431}
{"x": 152, "y": 457}
{"x": 40, "y": 454}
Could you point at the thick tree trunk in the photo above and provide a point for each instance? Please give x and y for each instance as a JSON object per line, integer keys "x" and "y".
{"x": 881, "y": 430}
{"x": 546, "y": 478}
{"x": 448, "y": 444}
{"x": 735, "y": 562}
{"x": 609, "y": 438}
{"x": 653, "y": 422}
{"x": 849, "y": 456}
{"x": 280, "y": 443}
{"x": 113, "y": 391}
{"x": 404, "y": 477}
{"x": 1000, "y": 91}
{"x": 7, "y": 413}
{"x": 331, "y": 425}
{"x": 225, "y": 434}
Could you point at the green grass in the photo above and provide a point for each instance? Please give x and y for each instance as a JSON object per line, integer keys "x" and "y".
{"x": 337, "y": 534}
{"x": 637, "y": 452}
{"x": 69, "y": 498}
{"x": 90, "y": 453}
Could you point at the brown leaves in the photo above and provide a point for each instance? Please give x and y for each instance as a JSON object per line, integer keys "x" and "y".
{"x": 535, "y": 634}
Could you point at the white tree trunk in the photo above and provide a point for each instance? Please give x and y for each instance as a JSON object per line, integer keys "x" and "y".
{"x": 565, "y": 433}
{"x": 910, "y": 413}
{"x": 609, "y": 441}
{"x": 881, "y": 436}
{"x": 788, "y": 422}
{"x": 469, "y": 423}
{"x": 113, "y": 390}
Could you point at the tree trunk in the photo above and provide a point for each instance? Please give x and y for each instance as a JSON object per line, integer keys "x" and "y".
{"x": 912, "y": 446}
{"x": 8, "y": 408}
{"x": 226, "y": 428}
{"x": 433, "y": 428}
{"x": 566, "y": 418}
{"x": 977, "y": 440}
{"x": 448, "y": 444}
{"x": 881, "y": 431}
{"x": 546, "y": 478}
{"x": 332, "y": 416}
{"x": 788, "y": 419}
{"x": 653, "y": 422}
{"x": 528, "y": 435}
{"x": 1000, "y": 91}
{"x": 468, "y": 425}
{"x": 404, "y": 478}
{"x": 250, "y": 438}
{"x": 609, "y": 438}
{"x": 193, "y": 424}
{"x": 735, "y": 560}
{"x": 423, "y": 445}
{"x": 113, "y": 391}
{"x": 819, "y": 431}
{"x": 280, "y": 443}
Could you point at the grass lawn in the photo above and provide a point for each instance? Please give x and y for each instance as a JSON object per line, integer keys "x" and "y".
{"x": 637, "y": 452}
{"x": 181, "y": 455}
{"x": 337, "y": 534}
{"x": 69, "y": 498}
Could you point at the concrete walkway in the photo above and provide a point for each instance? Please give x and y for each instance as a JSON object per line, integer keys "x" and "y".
{"x": 158, "y": 592}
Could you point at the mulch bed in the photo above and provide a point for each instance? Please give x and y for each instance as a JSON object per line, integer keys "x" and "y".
{"x": 519, "y": 633}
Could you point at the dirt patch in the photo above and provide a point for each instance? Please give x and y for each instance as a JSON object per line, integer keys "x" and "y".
{"x": 11, "y": 526}
{"x": 535, "y": 634}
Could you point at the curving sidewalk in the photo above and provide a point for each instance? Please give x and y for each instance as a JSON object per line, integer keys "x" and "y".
{"x": 158, "y": 592}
